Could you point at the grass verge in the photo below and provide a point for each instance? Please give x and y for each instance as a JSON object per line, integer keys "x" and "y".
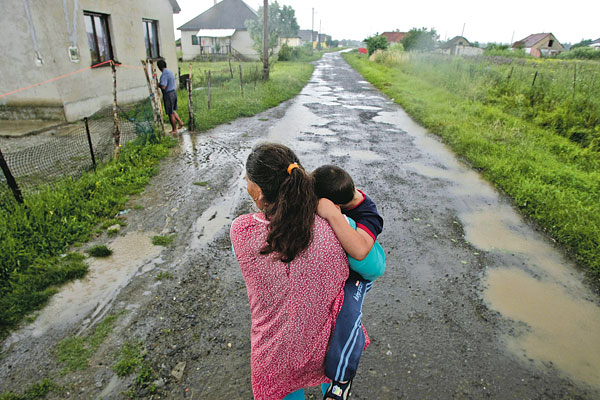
{"x": 551, "y": 179}
{"x": 37, "y": 391}
{"x": 130, "y": 359}
{"x": 36, "y": 233}
{"x": 227, "y": 101}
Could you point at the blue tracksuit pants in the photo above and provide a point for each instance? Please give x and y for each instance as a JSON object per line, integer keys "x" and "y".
{"x": 348, "y": 339}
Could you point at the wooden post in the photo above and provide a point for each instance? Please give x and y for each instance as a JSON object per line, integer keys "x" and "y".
{"x": 116, "y": 132}
{"x": 574, "y": 78}
{"x": 265, "y": 75}
{"x": 510, "y": 73}
{"x": 89, "y": 138}
{"x": 534, "y": 78}
{"x": 230, "y": 69}
{"x": 190, "y": 100}
{"x": 158, "y": 98}
{"x": 208, "y": 80}
{"x": 241, "y": 81}
{"x": 12, "y": 183}
{"x": 152, "y": 94}
{"x": 255, "y": 77}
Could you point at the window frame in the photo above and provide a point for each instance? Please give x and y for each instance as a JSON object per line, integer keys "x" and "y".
{"x": 104, "y": 19}
{"x": 154, "y": 24}
{"x": 196, "y": 40}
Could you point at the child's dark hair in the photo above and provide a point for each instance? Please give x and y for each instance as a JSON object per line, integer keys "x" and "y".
{"x": 333, "y": 183}
{"x": 290, "y": 201}
{"x": 161, "y": 64}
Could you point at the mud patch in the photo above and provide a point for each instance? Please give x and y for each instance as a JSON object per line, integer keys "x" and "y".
{"x": 92, "y": 295}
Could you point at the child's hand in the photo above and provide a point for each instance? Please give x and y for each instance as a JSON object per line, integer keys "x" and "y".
{"x": 327, "y": 209}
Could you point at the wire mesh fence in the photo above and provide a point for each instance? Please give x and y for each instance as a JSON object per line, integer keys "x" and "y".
{"x": 69, "y": 152}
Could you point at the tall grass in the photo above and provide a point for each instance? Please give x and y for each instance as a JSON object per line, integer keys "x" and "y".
{"x": 227, "y": 101}
{"x": 551, "y": 177}
{"x": 35, "y": 234}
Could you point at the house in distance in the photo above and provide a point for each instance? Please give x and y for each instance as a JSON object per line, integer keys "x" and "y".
{"x": 539, "y": 44}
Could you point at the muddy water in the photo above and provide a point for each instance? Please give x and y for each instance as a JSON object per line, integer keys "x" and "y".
{"x": 557, "y": 318}
{"x": 91, "y": 296}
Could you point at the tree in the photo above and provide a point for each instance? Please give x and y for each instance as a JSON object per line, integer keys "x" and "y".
{"x": 376, "y": 42}
{"x": 420, "y": 39}
{"x": 583, "y": 43}
{"x": 281, "y": 23}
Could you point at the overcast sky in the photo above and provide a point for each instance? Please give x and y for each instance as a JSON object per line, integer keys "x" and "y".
{"x": 484, "y": 21}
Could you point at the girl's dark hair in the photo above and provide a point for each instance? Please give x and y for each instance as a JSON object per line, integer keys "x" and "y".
{"x": 333, "y": 183}
{"x": 290, "y": 201}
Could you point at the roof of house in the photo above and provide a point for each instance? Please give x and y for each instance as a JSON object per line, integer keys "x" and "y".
{"x": 176, "y": 8}
{"x": 531, "y": 40}
{"x": 455, "y": 41}
{"x": 394, "y": 37}
{"x": 227, "y": 14}
{"x": 305, "y": 34}
{"x": 596, "y": 41}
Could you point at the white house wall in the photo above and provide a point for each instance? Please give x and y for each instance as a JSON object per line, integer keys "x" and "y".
{"x": 80, "y": 94}
{"x": 240, "y": 41}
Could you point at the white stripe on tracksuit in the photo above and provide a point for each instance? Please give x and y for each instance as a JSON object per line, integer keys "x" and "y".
{"x": 343, "y": 364}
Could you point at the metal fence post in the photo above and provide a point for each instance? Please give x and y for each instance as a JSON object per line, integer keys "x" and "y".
{"x": 191, "y": 99}
{"x": 117, "y": 131}
{"x": 12, "y": 183}
{"x": 89, "y": 137}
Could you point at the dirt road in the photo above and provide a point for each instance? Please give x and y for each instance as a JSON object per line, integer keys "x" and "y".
{"x": 475, "y": 303}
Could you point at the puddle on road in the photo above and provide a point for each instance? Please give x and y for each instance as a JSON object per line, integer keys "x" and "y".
{"x": 540, "y": 289}
{"x": 363, "y": 155}
{"x": 361, "y": 107}
{"x": 563, "y": 330}
{"x": 91, "y": 294}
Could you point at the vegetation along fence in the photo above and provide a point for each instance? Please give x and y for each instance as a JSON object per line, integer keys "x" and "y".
{"x": 562, "y": 96}
{"x": 75, "y": 149}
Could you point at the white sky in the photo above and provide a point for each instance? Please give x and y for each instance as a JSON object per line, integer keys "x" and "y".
{"x": 486, "y": 21}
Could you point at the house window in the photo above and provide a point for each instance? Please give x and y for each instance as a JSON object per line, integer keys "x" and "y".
{"x": 151, "y": 38}
{"x": 98, "y": 34}
{"x": 550, "y": 43}
{"x": 194, "y": 39}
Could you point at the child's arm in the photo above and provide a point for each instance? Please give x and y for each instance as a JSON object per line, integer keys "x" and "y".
{"x": 357, "y": 243}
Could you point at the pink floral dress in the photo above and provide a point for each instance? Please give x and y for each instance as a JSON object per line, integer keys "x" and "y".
{"x": 294, "y": 306}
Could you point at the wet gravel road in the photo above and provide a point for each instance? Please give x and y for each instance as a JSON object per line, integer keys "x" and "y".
{"x": 436, "y": 331}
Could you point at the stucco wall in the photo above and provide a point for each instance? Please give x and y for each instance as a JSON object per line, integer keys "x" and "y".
{"x": 240, "y": 41}
{"x": 84, "y": 93}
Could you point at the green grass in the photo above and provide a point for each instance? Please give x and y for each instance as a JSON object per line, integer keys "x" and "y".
{"x": 75, "y": 352}
{"x": 164, "y": 240}
{"x": 554, "y": 180}
{"x": 37, "y": 391}
{"x": 201, "y": 183}
{"x": 37, "y": 232}
{"x": 130, "y": 359}
{"x": 99, "y": 251}
{"x": 163, "y": 275}
{"x": 227, "y": 102}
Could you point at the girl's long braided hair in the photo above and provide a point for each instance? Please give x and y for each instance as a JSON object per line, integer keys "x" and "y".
{"x": 290, "y": 200}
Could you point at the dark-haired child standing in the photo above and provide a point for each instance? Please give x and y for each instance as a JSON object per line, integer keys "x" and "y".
{"x": 340, "y": 199}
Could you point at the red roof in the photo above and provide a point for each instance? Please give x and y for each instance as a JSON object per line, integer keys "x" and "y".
{"x": 531, "y": 40}
{"x": 394, "y": 37}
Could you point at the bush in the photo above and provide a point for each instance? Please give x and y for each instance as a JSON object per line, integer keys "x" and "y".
{"x": 581, "y": 53}
{"x": 285, "y": 53}
{"x": 376, "y": 42}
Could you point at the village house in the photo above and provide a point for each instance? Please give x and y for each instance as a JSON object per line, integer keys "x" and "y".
{"x": 219, "y": 30}
{"x": 394, "y": 37}
{"x": 460, "y": 46}
{"x": 539, "y": 44}
{"x": 56, "y": 46}
{"x": 595, "y": 44}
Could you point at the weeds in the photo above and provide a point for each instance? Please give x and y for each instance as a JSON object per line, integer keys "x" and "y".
{"x": 99, "y": 250}
{"x": 554, "y": 180}
{"x": 163, "y": 275}
{"x": 164, "y": 240}
{"x": 75, "y": 352}
{"x": 201, "y": 183}
{"x": 37, "y": 391}
{"x": 131, "y": 358}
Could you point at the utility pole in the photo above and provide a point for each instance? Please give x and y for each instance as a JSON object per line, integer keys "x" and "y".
{"x": 319, "y": 36}
{"x": 265, "y": 74}
{"x": 463, "y": 31}
{"x": 312, "y": 29}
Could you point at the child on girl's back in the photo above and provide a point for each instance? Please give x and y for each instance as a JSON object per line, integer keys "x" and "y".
{"x": 339, "y": 199}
